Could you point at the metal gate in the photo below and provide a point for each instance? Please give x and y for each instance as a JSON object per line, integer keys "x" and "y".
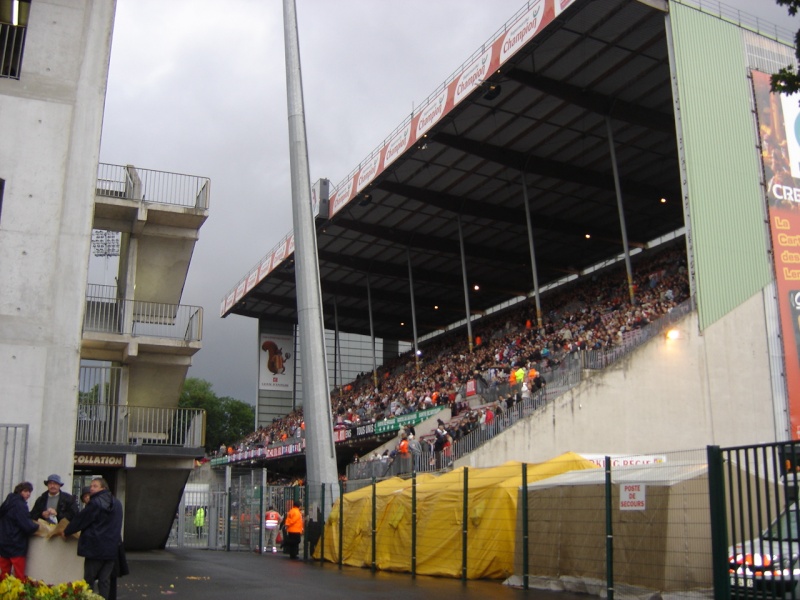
{"x": 232, "y": 513}
{"x": 754, "y": 520}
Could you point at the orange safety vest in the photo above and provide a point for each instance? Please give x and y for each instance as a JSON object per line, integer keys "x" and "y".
{"x": 403, "y": 448}
{"x": 294, "y": 521}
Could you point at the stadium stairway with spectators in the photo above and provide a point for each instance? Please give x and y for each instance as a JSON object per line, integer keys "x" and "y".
{"x": 589, "y": 326}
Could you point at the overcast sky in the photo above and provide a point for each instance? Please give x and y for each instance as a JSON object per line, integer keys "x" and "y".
{"x": 198, "y": 87}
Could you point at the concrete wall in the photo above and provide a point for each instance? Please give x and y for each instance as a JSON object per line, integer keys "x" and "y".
{"x": 679, "y": 394}
{"x": 51, "y": 121}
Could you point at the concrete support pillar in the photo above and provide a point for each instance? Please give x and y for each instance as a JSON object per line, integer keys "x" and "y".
{"x": 465, "y": 282}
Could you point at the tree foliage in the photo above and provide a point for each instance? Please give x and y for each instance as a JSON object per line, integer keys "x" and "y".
{"x": 787, "y": 80}
{"x": 227, "y": 420}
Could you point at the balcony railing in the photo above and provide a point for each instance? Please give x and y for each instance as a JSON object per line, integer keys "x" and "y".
{"x": 121, "y": 424}
{"x": 158, "y": 187}
{"x": 12, "y": 46}
{"x": 137, "y": 318}
{"x": 99, "y": 384}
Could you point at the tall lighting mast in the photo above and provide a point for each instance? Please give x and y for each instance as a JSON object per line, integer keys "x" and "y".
{"x": 320, "y": 453}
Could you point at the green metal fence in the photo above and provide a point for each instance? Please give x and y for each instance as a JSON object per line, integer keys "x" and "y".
{"x": 640, "y": 526}
{"x": 755, "y": 517}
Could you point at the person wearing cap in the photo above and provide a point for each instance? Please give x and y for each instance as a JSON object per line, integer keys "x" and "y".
{"x": 54, "y": 505}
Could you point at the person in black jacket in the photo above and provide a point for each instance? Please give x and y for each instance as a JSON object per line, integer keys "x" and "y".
{"x": 100, "y": 524}
{"x": 54, "y": 504}
{"x": 16, "y": 526}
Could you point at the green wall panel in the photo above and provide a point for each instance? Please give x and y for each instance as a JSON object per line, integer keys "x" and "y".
{"x": 723, "y": 171}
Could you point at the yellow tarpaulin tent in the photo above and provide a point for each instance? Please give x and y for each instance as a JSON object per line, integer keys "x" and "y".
{"x": 491, "y": 514}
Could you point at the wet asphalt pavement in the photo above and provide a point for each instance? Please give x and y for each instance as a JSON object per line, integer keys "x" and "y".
{"x": 195, "y": 574}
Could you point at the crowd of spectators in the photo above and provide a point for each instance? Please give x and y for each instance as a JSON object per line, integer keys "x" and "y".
{"x": 590, "y": 313}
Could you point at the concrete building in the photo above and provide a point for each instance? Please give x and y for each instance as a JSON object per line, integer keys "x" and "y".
{"x": 109, "y": 359}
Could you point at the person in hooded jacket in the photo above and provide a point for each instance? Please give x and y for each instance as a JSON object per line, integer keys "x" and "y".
{"x": 294, "y": 529}
{"x": 100, "y": 524}
{"x": 16, "y": 526}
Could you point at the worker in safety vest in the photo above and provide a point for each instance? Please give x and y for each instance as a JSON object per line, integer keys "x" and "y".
{"x": 272, "y": 523}
{"x": 199, "y": 521}
{"x": 294, "y": 529}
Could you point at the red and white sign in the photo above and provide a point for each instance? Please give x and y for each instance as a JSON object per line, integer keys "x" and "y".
{"x": 473, "y": 76}
{"x": 251, "y": 281}
{"x": 397, "y": 145}
{"x": 239, "y": 291}
{"x": 471, "y": 389}
{"x": 627, "y": 460}
{"x": 632, "y": 496}
{"x": 342, "y": 196}
{"x": 521, "y": 32}
{"x": 496, "y": 54}
{"x": 265, "y": 267}
{"x": 368, "y": 172}
{"x": 561, "y": 5}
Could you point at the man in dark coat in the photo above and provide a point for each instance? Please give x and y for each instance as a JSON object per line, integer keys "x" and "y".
{"x": 16, "y": 527}
{"x": 100, "y": 524}
{"x": 54, "y": 505}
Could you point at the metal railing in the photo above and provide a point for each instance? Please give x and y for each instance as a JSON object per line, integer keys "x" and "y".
{"x": 600, "y": 359}
{"x": 567, "y": 376}
{"x": 121, "y": 424}
{"x": 99, "y": 385}
{"x": 12, "y": 45}
{"x": 160, "y": 187}
{"x": 741, "y": 18}
{"x": 139, "y": 319}
{"x": 13, "y": 450}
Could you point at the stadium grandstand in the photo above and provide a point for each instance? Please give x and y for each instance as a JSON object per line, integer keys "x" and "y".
{"x": 588, "y": 324}
{"x": 586, "y": 181}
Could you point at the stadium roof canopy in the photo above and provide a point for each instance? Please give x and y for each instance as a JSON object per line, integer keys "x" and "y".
{"x": 537, "y": 101}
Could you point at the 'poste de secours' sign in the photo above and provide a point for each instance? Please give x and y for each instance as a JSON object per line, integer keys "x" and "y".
{"x": 632, "y": 496}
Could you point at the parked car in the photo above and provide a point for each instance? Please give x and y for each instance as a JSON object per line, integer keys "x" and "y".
{"x": 768, "y": 563}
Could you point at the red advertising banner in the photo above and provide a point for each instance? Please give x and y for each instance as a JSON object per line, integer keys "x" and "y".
{"x": 472, "y": 388}
{"x": 494, "y": 55}
{"x": 779, "y": 129}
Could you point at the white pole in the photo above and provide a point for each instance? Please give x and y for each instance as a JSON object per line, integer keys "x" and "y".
{"x": 320, "y": 453}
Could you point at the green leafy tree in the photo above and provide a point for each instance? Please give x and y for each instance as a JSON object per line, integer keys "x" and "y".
{"x": 787, "y": 80}
{"x": 227, "y": 420}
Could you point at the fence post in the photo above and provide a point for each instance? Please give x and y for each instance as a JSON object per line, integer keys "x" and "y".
{"x": 341, "y": 523}
{"x": 305, "y": 521}
{"x": 464, "y": 517}
{"x": 181, "y": 521}
{"x": 524, "y": 500}
{"x": 374, "y": 524}
{"x": 228, "y": 522}
{"x": 414, "y": 525}
{"x": 321, "y": 541}
{"x": 719, "y": 532}
{"x": 609, "y": 535}
{"x": 260, "y": 520}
